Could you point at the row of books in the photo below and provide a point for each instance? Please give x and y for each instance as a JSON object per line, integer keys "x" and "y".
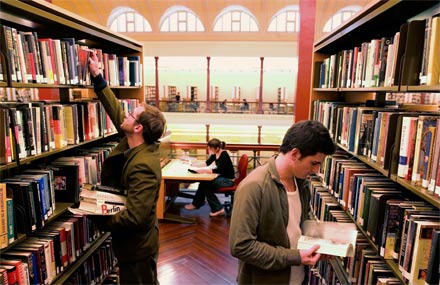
{"x": 378, "y": 63}
{"x": 355, "y": 271}
{"x": 404, "y": 142}
{"x": 32, "y": 193}
{"x": 29, "y": 129}
{"x": 99, "y": 268}
{"x": 44, "y": 255}
{"x": 401, "y": 229}
{"x": 64, "y": 61}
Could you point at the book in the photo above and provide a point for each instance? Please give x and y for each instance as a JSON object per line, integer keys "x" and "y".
{"x": 376, "y": 213}
{"x": 412, "y": 60}
{"x": 28, "y": 258}
{"x": 425, "y": 127}
{"x": 407, "y": 144}
{"x": 390, "y": 228}
{"x": 10, "y": 217}
{"x": 38, "y": 251}
{"x": 338, "y": 239}
{"x": 433, "y": 68}
{"x": 3, "y": 217}
{"x": 66, "y": 182}
{"x": 100, "y": 202}
{"x": 418, "y": 264}
{"x": 432, "y": 272}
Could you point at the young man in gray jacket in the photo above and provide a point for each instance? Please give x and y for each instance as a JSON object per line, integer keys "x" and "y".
{"x": 271, "y": 204}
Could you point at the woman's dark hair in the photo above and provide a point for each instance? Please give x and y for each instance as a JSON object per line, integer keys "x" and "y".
{"x": 153, "y": 122}
{"x": 216, "y": 143}
{"x": 310, "y": 137}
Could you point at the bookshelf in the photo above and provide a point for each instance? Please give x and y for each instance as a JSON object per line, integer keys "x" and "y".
{"x": 337, "y": 89}
{"x": 46, "y": 21}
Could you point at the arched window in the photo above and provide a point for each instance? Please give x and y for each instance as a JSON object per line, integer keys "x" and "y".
{"x": 235, "y": 19}
{"x": 180, "y": 19}
{"x": 285, "y": 20}
{"x": 340, "y": 17}
{"x": 125, "y": 19}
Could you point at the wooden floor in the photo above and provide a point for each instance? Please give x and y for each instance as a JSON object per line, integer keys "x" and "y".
{"x": 195, "y": 253}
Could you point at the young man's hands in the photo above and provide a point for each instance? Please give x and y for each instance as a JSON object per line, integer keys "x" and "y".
{"x": 93, "y": 64}
{"x": 310, "y": 256}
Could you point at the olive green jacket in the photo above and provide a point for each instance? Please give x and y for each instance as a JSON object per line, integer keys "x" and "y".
{"x": 135, "y": 234}
{"x": 258, "y": 235}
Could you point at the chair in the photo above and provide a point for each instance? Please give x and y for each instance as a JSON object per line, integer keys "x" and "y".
{"x": 230, "y": 191}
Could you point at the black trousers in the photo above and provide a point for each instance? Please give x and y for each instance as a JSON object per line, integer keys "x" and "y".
{"x": 139, "y": 272}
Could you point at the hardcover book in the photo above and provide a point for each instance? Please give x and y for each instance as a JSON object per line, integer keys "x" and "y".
{"x": 338, "y": 239}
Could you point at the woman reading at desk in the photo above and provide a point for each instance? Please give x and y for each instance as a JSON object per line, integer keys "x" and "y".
{"x": 218, "y": 162}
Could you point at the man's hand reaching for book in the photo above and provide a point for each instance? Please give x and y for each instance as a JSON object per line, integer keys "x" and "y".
{"x": 310, "y": 256}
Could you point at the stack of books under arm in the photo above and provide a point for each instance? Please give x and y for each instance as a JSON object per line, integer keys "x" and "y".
{"x": 97, "y": 199}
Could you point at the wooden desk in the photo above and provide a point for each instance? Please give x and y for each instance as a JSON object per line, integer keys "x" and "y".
{"x": 177, "y": 171}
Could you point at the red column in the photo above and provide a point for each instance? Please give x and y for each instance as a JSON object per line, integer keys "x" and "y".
{"x": 156, "y": 60}
{"x": 305, "y": 61}
{"x": 208, "y": 83}
{"x": 260, "y": 96}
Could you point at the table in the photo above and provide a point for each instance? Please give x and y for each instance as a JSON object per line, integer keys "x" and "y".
{"x": 176, "y": 171}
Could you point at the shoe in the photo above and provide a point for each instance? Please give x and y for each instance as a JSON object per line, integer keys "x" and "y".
{"x": 190, "y": 207}
{"x": 218, "y": 213}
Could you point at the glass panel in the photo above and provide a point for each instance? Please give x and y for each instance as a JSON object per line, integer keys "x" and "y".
{"x": 236, "y": 15}
{"x": 191, "y": 23}
{"x": 290, "y": 27}
{"x": 165, "y": 26}
{"x": 130, "y": 27}
{"x": 236, "y": 27}
{"x": 173, "y": 23}
{"x": 182, "y": 27}
{"x": 121, "y": 23}
{"x": 245, "y": 23}
{"x": 182, "y": 15}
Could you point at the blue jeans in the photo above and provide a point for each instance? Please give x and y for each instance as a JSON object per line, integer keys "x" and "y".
{"x": 207, "y": 190}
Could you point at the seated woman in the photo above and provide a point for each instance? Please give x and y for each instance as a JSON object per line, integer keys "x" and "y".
{"x": 219, "y": 162}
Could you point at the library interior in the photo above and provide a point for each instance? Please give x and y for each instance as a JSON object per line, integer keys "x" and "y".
{"x": 104, "y": 102}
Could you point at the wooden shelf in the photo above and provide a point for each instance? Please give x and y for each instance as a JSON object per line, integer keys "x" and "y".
{"x": 30, "y": 159}
{"x": 366, "y": 24}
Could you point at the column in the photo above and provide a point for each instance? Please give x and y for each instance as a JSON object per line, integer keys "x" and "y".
{"x": 156, "y": 60}
{"x": 260, "y": 97}
{"x": 208, "y": 83}
{"x": 305, "y": 50}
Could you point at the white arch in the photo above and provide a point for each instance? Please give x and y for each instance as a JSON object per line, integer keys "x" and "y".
{"x": 126, "y": 19}
{"x": 235, "y": 18}
{"x": 285, "y": 20}
{"x": 180, "y": 19}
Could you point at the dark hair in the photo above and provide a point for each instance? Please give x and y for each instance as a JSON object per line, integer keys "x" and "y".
{"x": 216, "y": 143}
{"x": 153, "y": 122}
{"x": 310, "y": 137}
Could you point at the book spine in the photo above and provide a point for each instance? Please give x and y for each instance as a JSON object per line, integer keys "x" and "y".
{"x": 10, "y": 219}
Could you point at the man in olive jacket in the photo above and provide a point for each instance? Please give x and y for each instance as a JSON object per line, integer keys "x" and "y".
{"x": 271, "y": 204}
{"x": 133, "y": 165}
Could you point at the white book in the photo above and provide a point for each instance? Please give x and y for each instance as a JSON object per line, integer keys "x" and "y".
{"x": 338, "y": 239}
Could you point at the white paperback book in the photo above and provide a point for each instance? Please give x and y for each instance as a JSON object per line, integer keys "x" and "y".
{"x": 334, "y": 238}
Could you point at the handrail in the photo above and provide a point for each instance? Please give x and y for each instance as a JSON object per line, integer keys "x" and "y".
{"x": 255, "y": 148}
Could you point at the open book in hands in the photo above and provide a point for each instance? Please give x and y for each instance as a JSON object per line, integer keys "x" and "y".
{"x": 338, "y": 239}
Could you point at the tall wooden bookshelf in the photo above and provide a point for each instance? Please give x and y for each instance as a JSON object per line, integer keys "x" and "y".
{"x": 49, "y": 21}
{"x": 380, "y": 19}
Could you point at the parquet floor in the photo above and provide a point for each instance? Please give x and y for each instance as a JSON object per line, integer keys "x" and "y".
{"x": 195, "y": 253}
